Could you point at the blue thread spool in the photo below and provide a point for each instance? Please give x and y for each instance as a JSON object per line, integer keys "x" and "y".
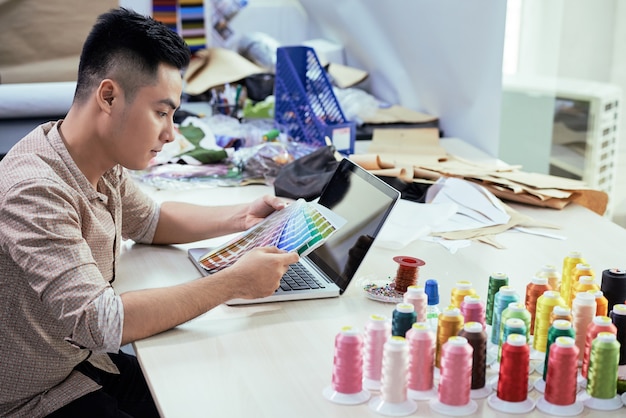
{"x": 404, "y": 317}
{"x": 501, "y": 300}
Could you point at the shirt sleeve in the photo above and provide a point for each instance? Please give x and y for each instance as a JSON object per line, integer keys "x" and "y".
{"x": 41, "y": 230}
{"x": 140, "y": 213}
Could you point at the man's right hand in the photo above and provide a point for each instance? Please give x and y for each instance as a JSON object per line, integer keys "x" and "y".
{"x": 257, "y": 273}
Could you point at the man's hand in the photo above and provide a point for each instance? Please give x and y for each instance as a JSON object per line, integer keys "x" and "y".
{"x": 257, "y": 273}
{"x": 261, "y": 208}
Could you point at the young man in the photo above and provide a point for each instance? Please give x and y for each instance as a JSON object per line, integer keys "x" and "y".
{"x": 67, "y": 202}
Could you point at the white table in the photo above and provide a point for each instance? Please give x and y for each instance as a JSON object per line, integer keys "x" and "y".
{"x": 274, "y": 360}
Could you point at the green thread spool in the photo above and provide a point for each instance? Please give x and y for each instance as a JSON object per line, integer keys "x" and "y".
{"x": 403, "y": 318}
{"x": 559, "y": 328}
{"x": 517, "y": 310}
{"x": 511, "y": 326}
{"x": 496, "y": 281}
{"x": 603, "y": 366}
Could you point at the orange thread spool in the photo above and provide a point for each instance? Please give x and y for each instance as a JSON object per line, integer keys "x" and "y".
{"x": 602, "y": 303}
{"x": 407, "y": 272}
{"x": 584, "y": 284}
{"x": 560, "y": 312}
{"x": 534, "y": 289}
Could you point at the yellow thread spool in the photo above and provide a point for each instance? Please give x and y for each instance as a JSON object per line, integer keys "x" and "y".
{"x": 581, "y": 269}
{"x": 569, "y": 263}
{"x": 463, "y": 288}
{"x": 545, "y": 304}
{"x": 450, "y": 323}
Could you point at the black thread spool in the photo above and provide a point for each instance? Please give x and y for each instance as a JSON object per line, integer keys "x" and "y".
{"x": 618, "y": 317}
{"x": 614, "y": 286}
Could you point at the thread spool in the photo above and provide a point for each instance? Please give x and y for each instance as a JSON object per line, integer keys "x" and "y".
{"x": 618, "y": 317}
{"x": 559, "y": 328}
{"x": 510, "y": 326}
{"x": 560, "y": 312}
{"x": 602, "y": 374}
{"x": 550, "y": 272}
{"x": 598, "y": 325}
{"x": 583, "y": 312}
{"x": 569, "y": 262}
{"x": 475, "y": 334}
{"x": 416, "y": 296}
{"x": 580, "y": 270}
{"x": 393, "y": 391}
{"x": 560, "y": 385}
{"x": 545, "y": 304}
{"x": 421, "y": 385}
{"x": 602, "y": 303}
{"x": 613, "y": 285}
{"x": 407, "y": 272}
{"x": 346, "y": 386}
{"x": 584, "y": 284}
{"x": 450, "y": 323}
{"x": 505, "y": 296}
{"x": 377, "y": 331}
{"x": 403, "y": 318}
{"x": 462, "y": 288}
{"x": 517, "y": 310}
{"x": 496, "y": 281}
{"x": 431, "y": 287}
{"x": 512, "y": 392}
{"x": 534, "y": 289}
{"x": 453, "y": 396}
{"x": 473, "y": 309}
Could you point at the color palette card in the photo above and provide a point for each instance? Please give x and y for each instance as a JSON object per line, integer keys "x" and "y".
{"x": 302, "y": 226}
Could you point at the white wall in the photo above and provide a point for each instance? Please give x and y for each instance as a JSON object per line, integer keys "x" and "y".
{"x": 580, "y": 39}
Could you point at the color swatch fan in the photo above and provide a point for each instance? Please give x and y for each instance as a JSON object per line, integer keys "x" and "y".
{"x": 302, "y": 226}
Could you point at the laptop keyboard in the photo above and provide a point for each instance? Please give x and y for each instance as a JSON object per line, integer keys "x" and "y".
{"x": 298, "y": 278}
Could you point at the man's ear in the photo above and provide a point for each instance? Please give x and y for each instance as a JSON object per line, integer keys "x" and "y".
{"x": 106, "y": 94}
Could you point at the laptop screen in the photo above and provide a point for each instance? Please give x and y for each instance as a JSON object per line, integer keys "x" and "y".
{"x": 364, "y": 201}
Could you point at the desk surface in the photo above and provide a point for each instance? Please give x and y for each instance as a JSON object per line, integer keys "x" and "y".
{"x": 275, "y": 359}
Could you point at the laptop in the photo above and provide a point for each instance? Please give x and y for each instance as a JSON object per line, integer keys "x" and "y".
{"x": 356, "y": 195}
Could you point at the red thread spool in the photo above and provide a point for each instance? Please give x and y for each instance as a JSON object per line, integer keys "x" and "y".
{"x": 598, "y": 325}
{"x": 513, "y": 376}
{"x": 407, "y": 272}
{"x": 562, "y": 371}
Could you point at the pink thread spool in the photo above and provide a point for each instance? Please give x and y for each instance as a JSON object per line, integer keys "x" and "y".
{"x": 347, "y": 387}
{"x": 473, "y": 309}
{"x": 377, "y": 331}
{"x": 393, "y": 398}
{"x": 455, "y": 379}
{"x": 416, "y": 296}
{"x": 422, "y": 343}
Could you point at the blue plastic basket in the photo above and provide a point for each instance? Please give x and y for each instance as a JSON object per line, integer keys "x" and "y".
{"x": 306, "y": 108}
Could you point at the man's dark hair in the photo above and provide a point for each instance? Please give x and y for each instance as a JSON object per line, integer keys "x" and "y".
{"x": 127, "y": 47}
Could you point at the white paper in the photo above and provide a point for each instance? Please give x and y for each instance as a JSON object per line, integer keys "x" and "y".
{"x": 410, "y": 221}
{"x": 477, "y": 207}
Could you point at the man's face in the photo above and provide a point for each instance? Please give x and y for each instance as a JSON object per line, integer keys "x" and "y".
{"x": 140, "y": 129}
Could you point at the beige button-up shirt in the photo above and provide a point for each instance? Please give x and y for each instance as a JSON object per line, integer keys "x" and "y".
{"x": 59, "y": 241}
